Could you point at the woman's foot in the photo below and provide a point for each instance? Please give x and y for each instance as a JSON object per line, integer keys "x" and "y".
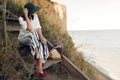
{"x": 42, "y": 74}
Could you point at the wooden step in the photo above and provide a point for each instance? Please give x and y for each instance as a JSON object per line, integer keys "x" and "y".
{"x": 33, "y": 74}
{"x": 50, "y": 63}
{"x": 73, "y": 69}
{"x": 15, "y": 28}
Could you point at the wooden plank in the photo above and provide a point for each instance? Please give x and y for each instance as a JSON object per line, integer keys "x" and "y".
{"x": 4, "y": 22}
{"x": 73, "y": 69}
{"x": 50, "y": 63}
{"x": 13, "y": 29}
{"x": 9, "y": 19}
{"x": 11, "y": 15}
{"x": 12, "y": 19}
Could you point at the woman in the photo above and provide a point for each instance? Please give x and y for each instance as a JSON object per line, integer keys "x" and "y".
{"x": 31, "y": 34}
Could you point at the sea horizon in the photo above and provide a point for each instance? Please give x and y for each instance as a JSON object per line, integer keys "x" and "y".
{"x": 101, "y": 47}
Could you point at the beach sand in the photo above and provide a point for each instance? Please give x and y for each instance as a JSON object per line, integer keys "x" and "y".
{"x": 106, "y": 59}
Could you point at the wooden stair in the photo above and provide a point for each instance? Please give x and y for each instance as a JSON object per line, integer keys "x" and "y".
{"x": 24, "y": 51}
{"x": 49, "y": 63}
{"x": 27, "y": 59}
{"x": 11, "y": 21}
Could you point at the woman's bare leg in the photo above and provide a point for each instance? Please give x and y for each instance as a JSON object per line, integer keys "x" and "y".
{"x": 36, "y": 60}
{"x": 39, "y": 64}
{"x": 40, "y": 61}
{"x": 40, "y": 68}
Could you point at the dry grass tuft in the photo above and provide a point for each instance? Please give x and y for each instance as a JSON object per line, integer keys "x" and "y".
{"x": 10, "y": 60}
{"x": 52, "y": 32}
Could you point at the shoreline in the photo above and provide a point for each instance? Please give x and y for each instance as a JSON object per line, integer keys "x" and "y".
{"x": 97, "y": 72}
{"x": 100, "y": 50}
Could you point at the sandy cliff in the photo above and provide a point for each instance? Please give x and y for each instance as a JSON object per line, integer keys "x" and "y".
{"x": 54, "y": 12}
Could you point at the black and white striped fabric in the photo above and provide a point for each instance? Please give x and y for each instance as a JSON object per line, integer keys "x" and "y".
{"x": 32, "y": 39}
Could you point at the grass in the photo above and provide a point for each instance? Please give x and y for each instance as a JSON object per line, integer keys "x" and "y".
{"x": 14, "y": 8}
{"x": 51, "y": 32}
{"x": 9, "y": 60}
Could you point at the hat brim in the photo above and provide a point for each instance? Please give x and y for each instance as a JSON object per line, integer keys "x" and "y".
{"x": 35, "y": 9}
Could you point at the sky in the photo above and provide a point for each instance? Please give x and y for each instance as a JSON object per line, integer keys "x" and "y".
{"x": 92, "y": 14}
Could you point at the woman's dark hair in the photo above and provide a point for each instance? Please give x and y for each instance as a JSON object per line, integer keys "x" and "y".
{"x": 31, "y": 17}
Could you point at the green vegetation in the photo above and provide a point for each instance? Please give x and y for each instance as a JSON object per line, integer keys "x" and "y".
{"x": 53, "y": 34}
{"x": 11, "y": 64}
{"x": 14, "y": 8}
{"x": 11, "y": 59}
{"x": 50, "y": 31}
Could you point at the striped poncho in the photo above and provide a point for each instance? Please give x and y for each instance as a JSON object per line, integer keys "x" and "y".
{"x": 32, "y": 39}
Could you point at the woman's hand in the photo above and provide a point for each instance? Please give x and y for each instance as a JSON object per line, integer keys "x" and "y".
{"x": 42, "y": 38}
{"x": 25, "y": 11}
{"x": 44, "y": 41}
{"x": 29, "y": 26}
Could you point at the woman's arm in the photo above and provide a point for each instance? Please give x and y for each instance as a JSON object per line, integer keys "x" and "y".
{"x": 43, "y": 40}
{"x": 38, "y": 29}
{"x": 29, "y": 26}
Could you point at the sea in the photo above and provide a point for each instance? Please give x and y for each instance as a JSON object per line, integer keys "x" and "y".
{"x": 101, "y": 48}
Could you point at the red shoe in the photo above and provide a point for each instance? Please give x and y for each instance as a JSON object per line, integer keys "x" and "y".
{"x": 42, "y": 75}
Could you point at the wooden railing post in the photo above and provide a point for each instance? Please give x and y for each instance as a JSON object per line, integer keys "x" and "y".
{"x": 4, "y": 22}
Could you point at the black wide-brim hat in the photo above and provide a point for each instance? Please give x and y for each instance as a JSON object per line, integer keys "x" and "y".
{"x": 31, "y": 8}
